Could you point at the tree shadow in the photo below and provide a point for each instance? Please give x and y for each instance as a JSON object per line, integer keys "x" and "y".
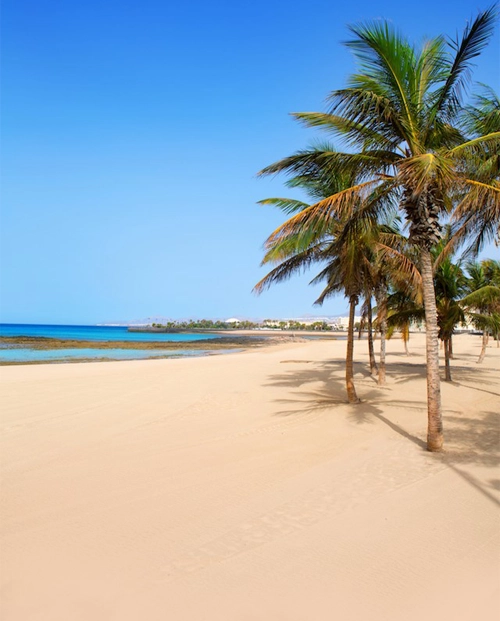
{"x": 330, "y": 375}
{"x": 470, "y": 440}
{"x": 465, "y": 376}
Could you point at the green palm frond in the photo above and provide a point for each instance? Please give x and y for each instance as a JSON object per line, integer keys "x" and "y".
{"x": 296, "y": 264}
{"x": 485, "y": 322}
{"x": 477, "y": 216}
{"x": 480, "y": 144}
{"x": 486, "y": 296}
{"x": 430, "y": 70}
{"x": 483, "y": 115}
{"x": 317, "y": 164}
{"x": 387, "y": 59}
{"x": 286, "y": 205}
{"x": 473, "y": 41}
{"x": 363, "y": 105}
{"x": 316, "y": 220}
{"x": 352, "y": 132}
{"x": 404, "y": 272}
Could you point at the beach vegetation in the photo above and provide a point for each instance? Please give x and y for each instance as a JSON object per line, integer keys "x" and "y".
{"x": 412, "y": 143}
{"x": 483, "y": 299}
{"x": 357, "y": 255}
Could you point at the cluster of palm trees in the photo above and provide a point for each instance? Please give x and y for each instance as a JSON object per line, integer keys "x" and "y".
{"x": 416, "y": 158}
{"x": 465, "y": 295}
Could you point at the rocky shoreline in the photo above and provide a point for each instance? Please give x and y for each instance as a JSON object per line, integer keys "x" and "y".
{"x": 225, "y": 342}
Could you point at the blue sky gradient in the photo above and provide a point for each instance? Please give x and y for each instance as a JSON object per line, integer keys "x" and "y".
{"x": 131, "y": 138}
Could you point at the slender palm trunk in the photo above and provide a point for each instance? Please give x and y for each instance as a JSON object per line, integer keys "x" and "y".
{"x": 405, "y": 333}
{"x": 371, "y": 351}
{"x": 382, "y": 316}
{"x": 450, "y": 348}
{"x": 483, "y": 347}
{"x": 349, "y": 365}
{"x": 435, "y": 422}
{"x": 447, "y": 368}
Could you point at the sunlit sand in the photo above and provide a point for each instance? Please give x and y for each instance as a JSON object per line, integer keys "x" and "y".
{"x": 243, "y": 487}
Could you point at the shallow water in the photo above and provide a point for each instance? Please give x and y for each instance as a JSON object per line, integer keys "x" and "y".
{"x": 68, "y": 355}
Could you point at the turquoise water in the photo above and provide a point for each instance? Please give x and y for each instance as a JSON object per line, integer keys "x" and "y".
{"x": 96, "y": 333}
{"x": 12, "y": 353}
{"x": 66, "y": 355}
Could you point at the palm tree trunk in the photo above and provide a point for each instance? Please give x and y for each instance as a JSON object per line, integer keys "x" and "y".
{"x": 483, "y": 347}
{"x": 434, "y": 417}
{"x": 450, "y": 348}
{"x": 382, "y": 316}
{"x": 371, "y": 351}
{"x": 405, "y": 333}
{"x": 349, "y": 365}
{"x": 447, "y": 369}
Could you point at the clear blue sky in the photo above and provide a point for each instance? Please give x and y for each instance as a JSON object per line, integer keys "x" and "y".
{"x": 132, "y": 134}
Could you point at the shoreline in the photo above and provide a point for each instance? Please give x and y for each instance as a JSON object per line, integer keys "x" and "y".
{"x": 245, "y": 340}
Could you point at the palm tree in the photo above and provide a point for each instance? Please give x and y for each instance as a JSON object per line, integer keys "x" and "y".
{"x": 350, "y": 271}
{"x": 367, "y": 322}
{"x": 481, "y": 306}
{"x": 350, "y": 249}
{"x": 478, "y": 226}
{"x": 401, "y": 117}
{"x": 449, "y": 283}
{"x": 403, "y": 310}
{"x": 381, "y": 276}
{"x": 492, "y": 269}
{"x": 483, "y": 299}
{"x": 347, "y": 268}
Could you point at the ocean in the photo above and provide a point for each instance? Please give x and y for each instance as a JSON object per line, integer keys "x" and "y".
{"x": 18, "y": 354}
{"x": 96, "y": 333}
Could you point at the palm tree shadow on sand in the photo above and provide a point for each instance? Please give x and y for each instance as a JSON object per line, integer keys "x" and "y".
{"x": 469, "y": 440}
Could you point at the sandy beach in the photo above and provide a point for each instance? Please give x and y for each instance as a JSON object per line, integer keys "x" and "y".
{"x": 243, "y": 487}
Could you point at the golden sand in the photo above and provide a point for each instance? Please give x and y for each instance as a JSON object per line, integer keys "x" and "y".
{"x": 244, "y": 488}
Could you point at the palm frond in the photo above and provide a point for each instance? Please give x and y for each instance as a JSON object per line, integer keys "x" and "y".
{"x": 315, "y": 221}
{"x": 387, "y": 59}
{"x": 353, "y": 132}
{"x": 479, "y": 144}
{"x": 287, "y": 205}
{"x": 288, "y": 268}
{"x": 485, "y": 296}
{"x": 473, "y": 41}
{"x": 429, "y": 169}
{"x": 362, "y": 104}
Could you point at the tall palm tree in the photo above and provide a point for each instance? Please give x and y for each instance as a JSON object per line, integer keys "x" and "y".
{"x": 350, "y": 248}
{"x": 367, "y": 323}
{"x": 347, "y": 266}
{"x": 350, "y": 271}
{"x": 401, "y": 117}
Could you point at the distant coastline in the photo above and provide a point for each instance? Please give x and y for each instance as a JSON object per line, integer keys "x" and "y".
{"x": 36, "y": 344}
{"x": 233, "y": 324}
